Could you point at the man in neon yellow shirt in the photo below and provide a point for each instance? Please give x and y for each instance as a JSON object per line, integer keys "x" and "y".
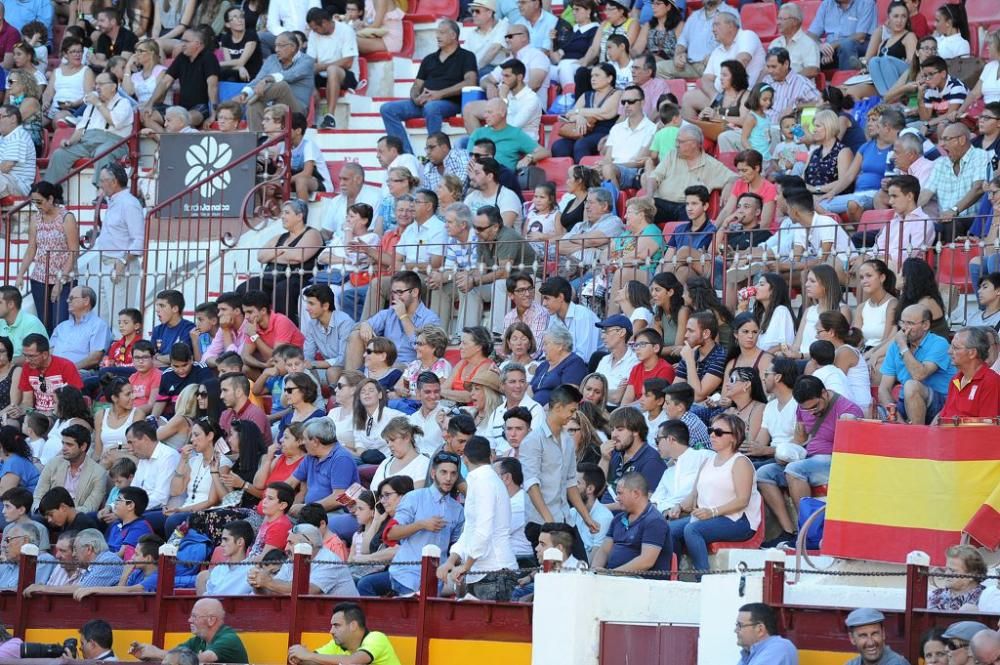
{"x": 352, "y": 643}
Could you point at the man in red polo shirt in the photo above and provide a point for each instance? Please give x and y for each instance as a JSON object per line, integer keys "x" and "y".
{"x": 42, "y": 375}
{"x": 975, "y": 390}
{"x": 235, "y": 394}
{"x": 646, "y": 344}
{"x": 265, "y": 330}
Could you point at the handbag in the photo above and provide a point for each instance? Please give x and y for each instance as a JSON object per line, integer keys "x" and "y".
{"x": 529, "y": 177}
{"x": 570, "y": 130}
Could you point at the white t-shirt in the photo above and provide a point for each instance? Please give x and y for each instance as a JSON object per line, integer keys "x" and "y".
{"x": 626, "y": 143}
{"x": 780, "y": 422}
{"x": 334, "y": 212}
{"x": 420, "y": 242}
{"x": 416, "y": 469}
{"x": 989, "y": 83}
{"x": 834, "y": 379}
{"x": 824, "y": 229}
{"x": 505, "y": 199}
{"x": 431, "y": 439}
{"x": 525, "y": 110}
{"x": 952, "y": 46}
{"x": 310, "y": 152}
{"x": 518, "y": 541}
{"x": 371, "y": 438}
{"x": 746, "y": 42}
{"x": 617, "y": 372}
{"x": 675, "y": 487}
{"x": 641, "y": 314}
{"x": 479, "y": 43}
{"x": 343, "y": 43}
{"x": 780, "y": 329}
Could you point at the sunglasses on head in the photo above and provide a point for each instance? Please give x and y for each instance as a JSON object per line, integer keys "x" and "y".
{"x": 442, "y": 458}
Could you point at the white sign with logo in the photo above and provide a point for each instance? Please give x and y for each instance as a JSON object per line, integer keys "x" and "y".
{"x": 189, "y": 158}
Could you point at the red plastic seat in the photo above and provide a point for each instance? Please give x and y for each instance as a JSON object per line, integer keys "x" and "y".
{"x": 669, "y": 228}
{"x": 840, "y": 76}
{"x": 591, "y": 160}
{"x": 929, "y": 7}
{"x": 980, "y": 12}
{"x": 728, "y": 159}
{"x": 762, "y": 18}
{"x": 875, "y": 220}
{"x": 809, "y": 9}
{"x": 820, "y": 491}
{"x": 429, "y": 11}
{"x": 334, "y": 168}
{"x": 556, "y": 169}
{"x": 409, "y": 40}
{"x": 753, "y": 543}
{"x": 953, "y": 267}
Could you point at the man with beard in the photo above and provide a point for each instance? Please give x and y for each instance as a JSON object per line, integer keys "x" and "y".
{"x": 627, "y": 451}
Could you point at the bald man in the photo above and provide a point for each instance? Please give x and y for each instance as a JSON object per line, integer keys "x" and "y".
{"x": 919, "y": 360}
{"x": 957, "y": 180}
{"x": 986, "y": 647}
{"x": 514, "y": 147}
{"x": 212, "y": 639}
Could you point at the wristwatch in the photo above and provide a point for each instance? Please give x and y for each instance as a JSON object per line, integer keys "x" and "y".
{"x": 254, "y": 338}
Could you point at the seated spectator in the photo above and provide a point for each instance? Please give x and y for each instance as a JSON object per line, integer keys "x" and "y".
{"x": 59, "y": 511}
{"x": 273, "y": 531}
{"x": 591, "y": 482}
{"x": 156, "y": 463}
{"x": 673, "y": 442}
{"x": 888, "y": 56}
{"x": 561, "y": 365}
{"x": 952, "y": 31}
{"x": 909, "y": 230}
{"x": 696, "y": 42}
{"x": 521, "y": 290}
{"x": 500, "y": 250}
{"x": 591, "y": 118}
{"x": 314, "y": 514}
{"x": 988, "y": 314}
{"x": 213, "y": 641}
{"x": 206, "y": 325}
{"x": 371, "y": 416}
{"x": 173, "y": 327}
{"x": 629, "y": 451}
{"x": 143, "y": 70}
{"x": 843, "y": 34}
{"x": 428, "y": 410}
{"x": 957, "y": 181}
{"x": 235, "y": 394}
{"x": 17, "y": 510}
{"x": 679, "y": 169}
{"x": 309, "y": 171}
{"x": 325, "y": 331}
{"x": 84, "y": 337}
{"x": 616, "y": 366}
{"x": 183, "y": 372}
{"x": 117, "y": 362}
{"x": 702, "y": 352}
{"x": 918, "y": 359}
{"x": 15, "y": 537}
{"x": 114, "y": 40}
{"x": 231, "y": 336}
{"x": 198, "y": 71}
{"x": 649, "y": 365}
{"x": 777, "y": 427}
{"x": 939, "y": 95}
{"x": 833, "y": 327}
{"x": 390, "y": 155}
{"x": 679, "y": 397}
{"x": 618, "y": 23}
{"x": 351, "y": 190}
{"x": 960, "y": 594}
{"x": 240, "y": 44}
{"x": 142, "y": 578}
{"x": 524, "y": 79}
{"x": 511, "y": 475}
{"x": 89, "y": 548}
{"x": 327, "y": 471}
{"x": 333, "y": 46}
{"x": 123, "y": 536}
{"x": 437, "y": 89}
{"x": 69, "y": 84}
{"x": 627, "y": 144}
{"x": 285, "y": 77}
{"x": 557, "y": 299}
{"x": 816, "y": 419}
{"x": 487, "y": 39}
{"x": 975, "y": 390}
{"x": 442, "y": 161}
{"x": 757, "y": 636}
{"x": 430, "y": 345}
{"x": 513, "y": 386}
{"x": 867, "y": 634}
{"x": 17, "y": 154}
{"x": 16, "y": 469}
{"x": 351, "y": 636}
{"x": 961, "y": 633}
{"x": 75, "y": 468}
{"x": 822, "y": 354}
{"x": 229, "y": 577}
{"x": 330, "y": 580}
{"x": 802, "y": 49}
{"x": 640, "y": 543}
{"x": 588, "y": 430}
{"x": 67, "y": 572}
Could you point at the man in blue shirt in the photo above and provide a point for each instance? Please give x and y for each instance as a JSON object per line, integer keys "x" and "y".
{"x": 25, "y": 11}
{"x": 919, "y": 360}
{"x": 757, "y": 636}
{"x": 100, "y": 567}
{"x": 847, "y": 26}
{"x": 629, "y": 452}
{"x": 399, "y": 322}
{"x": 173, "y": 326}
{"x": 84, "y": 336}
{"x": 327, "y": 471}
{"x": 638, "y": 539}
{"x": 17, "y": 536}
{"x": 427, "y": 516}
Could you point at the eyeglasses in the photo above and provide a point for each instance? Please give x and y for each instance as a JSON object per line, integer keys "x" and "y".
{"x": 202, "y": 393}
{"x": 480, "y": 229}
{"x": 956, "y": 646}
{"x": 122, "y": 499}
{"x": 631, "y": 101}
{"x": 715, "y": 431}
{"x": 399, "y": 292}
{"x": 386, "y": 495}
{"x": 741, "y": 626}
{"x": 982, "y": 117}
{"x": 640, "y": 345}
{"x": 514, "y": 34}
{"x": 370, "y": 351}
{"x": 7, "y": 539}
{"x": 524, "y": 291}
{"x": 340, "y": 386}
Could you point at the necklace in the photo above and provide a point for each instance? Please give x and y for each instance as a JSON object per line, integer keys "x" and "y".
{"x": 197, "y": 481}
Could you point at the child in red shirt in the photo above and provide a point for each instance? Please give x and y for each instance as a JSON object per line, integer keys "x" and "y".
{"x": 646, "y": 344}
{"x": 130, "y": 328}
{"x": 146, "y": 378}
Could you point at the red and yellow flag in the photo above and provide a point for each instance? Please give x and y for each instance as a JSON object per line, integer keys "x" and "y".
{"x": 898, "y": 488}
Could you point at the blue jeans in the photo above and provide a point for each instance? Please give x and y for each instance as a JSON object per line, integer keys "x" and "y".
{"x": 885, "y": 71}
{"x": 352, "y": 302}
{"x": 380, "y": 584}
{"x": 51, "y": 313}
{"x": 849, "y": 51}
{"x": 435, "y": 113}
{"x": 693, "y": 536}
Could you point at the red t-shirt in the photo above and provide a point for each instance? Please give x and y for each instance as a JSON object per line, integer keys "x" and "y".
{"x": 120, "y": 353}
{"x": 979, "y": 399}
{"x": 281, "y": 330}
{"x": 638, "y": 375}
{"x": 59, "y": 373}
{"x": 281, "y": 472}
{"x": 273, "y": 533}
{"x": 144, "y": 386}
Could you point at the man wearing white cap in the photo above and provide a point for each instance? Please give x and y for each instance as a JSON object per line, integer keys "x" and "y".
{"x": 486, "y": 41}
{"x": 867, "y": 634}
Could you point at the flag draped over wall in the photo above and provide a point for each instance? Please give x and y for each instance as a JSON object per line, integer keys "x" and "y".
{"x": 898, "y": 488}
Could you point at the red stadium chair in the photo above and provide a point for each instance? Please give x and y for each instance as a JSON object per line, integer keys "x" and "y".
{"x": 409, "y": 40}
{"x": 591, "y": 160}
{"x": 929, "y": 7}
{"x": 61, "y": 134}
{"x": 556, "y": 169}
{"x": 953, "y": 267}
{"x": 762, "y": 18}
{"x": 728, "y": 159}
{"x": 752, "y": 544}
{"x": 809, "y": 9}
{"x": 669, "y": 228}
{"x": 429, "y": 11}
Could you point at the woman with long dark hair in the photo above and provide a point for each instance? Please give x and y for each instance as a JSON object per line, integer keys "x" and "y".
{"x": 773, "y": 312}
{"x": 699, "y": 296}
{"x": 875, "y": 315}
{"x": 745, "y": 392}
{"x": 634, "y": 301}
{"x": 745, "y": 350}
{"x": 70, "y": 409}
{"x": 388, "y": 495}
{"x": 834, "y": 328}
{"x": 670, "y": 314}
{"x": 16, "y": 469}
{"x": 919, "y": 285}
{"x": 117, "y": 418}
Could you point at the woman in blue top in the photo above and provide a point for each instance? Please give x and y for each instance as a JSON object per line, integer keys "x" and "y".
{"x": 638, "y": 249}
{"x": 16, "y": 469}
{"x": 560, "y": 366}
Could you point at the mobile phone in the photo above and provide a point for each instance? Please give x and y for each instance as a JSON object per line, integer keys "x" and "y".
{"x": 222, "y": 447}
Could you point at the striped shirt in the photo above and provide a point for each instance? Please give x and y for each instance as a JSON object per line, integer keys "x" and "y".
{"x": 714, "y": 363}
{"x": 535, "y": 317}
{"x": 456, "y": 163}
{"x": 954, "y": 92}
{"x": 794, "y": 90}
{"x": 17, "y": 147}
{"x": 460, "y": 254}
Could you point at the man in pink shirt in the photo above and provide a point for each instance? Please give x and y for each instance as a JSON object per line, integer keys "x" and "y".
{"x": 235, "y": 394}
{"x": 910, "y": 229}
{"x": 231, "y": 335}
{"x": 266, "y": 330}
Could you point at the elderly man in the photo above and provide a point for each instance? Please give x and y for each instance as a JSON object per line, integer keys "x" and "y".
{"x": 908, "y": 156}
{"x": 627, "y": 144}
{"x": 212, "y": 639}
{"x": 84, "y": 336}
{"x": 513, "y": 146}
{"x": 681, "y": 168}
{"x": 644, "y": 76}
{"x": 156, "y": 465}
{"x": 116, "y": 256}
{"x": 286, "y": 77}
{"x": 758, "y": 639}
{"x": 459, "y": 257}
{"x": 525, "y": 104}
{"x": 198, "y": 71}
{"x": 326, "y": 472}
{"x": 437, "y": 91}
{"x": 352, "y": 190}
{"x": 534, "y": 61}
{"x": 333, "y": 46}
{"x": 540, "y": 22}
{"x": 106, "y": 120}
{"x": 958, "y": 180}
{"x": 17, "y": 154}
{"x": 486, "y": 40}
{"x": 42, "y": 374}
{"x": 587, "y": 241}
{"x": 918, "y": 359}
{"x": 15, "y": 538}
{"x": 802, "y": 49}
{"x": 176, "y": 120}
{"x": 485, "y": 190}
{"x": 792, "y": 90}
{"x": 847, "y": 26}
{"x": 958, "y": 636}
{"x": 89, "y": 548}
{"x": 734, "y": 44}
{"x": 867, "y": 634}
{"x": 442, "y": 161}
{"x": 326, "y": 577}
{"x": 696, "y": 43}
{"x": 985, "y": 647}
{"x": 500, "y": 250}
{"x": 975, "y": 390}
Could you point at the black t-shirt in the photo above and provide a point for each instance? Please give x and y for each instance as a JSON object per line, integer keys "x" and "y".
{"x": 124, "y": 43}
{"x": 235, "y": 50}
{"x": 438, "y": 75}
{"x": 82, "y": 521}
{"x": 740, "y": 240}
{"x": 171, "y": 385}
{"x": 194, "y": 77}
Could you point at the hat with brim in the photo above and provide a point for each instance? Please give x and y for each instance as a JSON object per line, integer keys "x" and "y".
{"x": 964, "y": 630}
{"x": 864, "y": 616}
{"x": 487, "y": 378}
{"x": 625, "y": 5}
{"x": 485, "y": 4}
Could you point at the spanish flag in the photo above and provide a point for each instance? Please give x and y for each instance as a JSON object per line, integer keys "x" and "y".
{"x": 898, "y": 488}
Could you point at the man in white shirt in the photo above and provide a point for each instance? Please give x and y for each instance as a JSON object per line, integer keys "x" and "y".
{"x": 536, "y": 66}
{"x": 673, "y": 442}
{"x": 486, "y": 41}
{"x": 17, "y": 154}
{"x": 485, "y": 541}
{"x": 591, "y": 481}
{"x": 509, "y": 470}
{"x": 557, "y": 298}
{"x": 485, "y": 190}
{"x": 777, "y": 428}
{"x": 696, "y": 42}
{"x": 389, "y": 152}
{"x": 352, "y": 190}
{"x": 524, "y": 106}
{"x": 734, "y": 44}
{"x": 287, "y": 16}
{"x": 156, "y": 466}
{"x": 425, "y": 417}
{"x": 627, "y": 145}
{"x": 803, "y": 49}
{"x": 423, "y": 241}
{"x": 616, "y": 331}
{"x": 334, "y": 47}
{"x": 514, "y": 386}
{"x": 821, "y": 239}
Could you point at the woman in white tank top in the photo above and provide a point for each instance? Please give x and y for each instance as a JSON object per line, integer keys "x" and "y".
{"x": 877, "y": 312}
{"x": 70, "y": 82}
{"x": 725, "y": 504}
{"x": 111, "y": 425}
{"x": 833, "y": 327}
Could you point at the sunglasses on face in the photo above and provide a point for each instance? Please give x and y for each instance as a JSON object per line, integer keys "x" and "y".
{"x": 715, "y": 431}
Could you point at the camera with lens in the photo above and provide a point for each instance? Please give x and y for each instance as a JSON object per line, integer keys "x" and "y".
{"x": 38, "y": 650}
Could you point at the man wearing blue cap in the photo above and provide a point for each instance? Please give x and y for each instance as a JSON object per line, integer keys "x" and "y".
{"x": 867, "y": 634}
{"x": 958, "y": 637}
{"x": 616, "y": 331}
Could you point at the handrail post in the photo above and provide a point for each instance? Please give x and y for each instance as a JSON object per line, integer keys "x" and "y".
{"x": 165, "y": 572}
{"x": 429, "y": 559}
{"x": 774, "y": 578}
{"x": 25, "y": 578}
{"x": 286, "y": 183}
{"x": 300, "y": 587}
{"x": 917, "y": 575}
